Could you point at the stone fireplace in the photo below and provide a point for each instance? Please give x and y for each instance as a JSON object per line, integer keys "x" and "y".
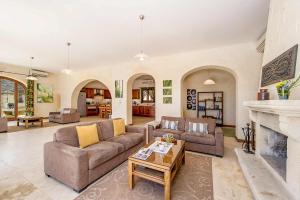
{"x": 274, "y": 150}
{"x": 277, "y": 129}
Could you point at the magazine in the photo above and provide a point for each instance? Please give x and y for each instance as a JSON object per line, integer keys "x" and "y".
{"x": 161, "y": 147}
{"x": 143, "y": 153}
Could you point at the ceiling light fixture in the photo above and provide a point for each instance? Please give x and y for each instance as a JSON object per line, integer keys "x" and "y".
{"x": 209, "y": 81}
{"x": 141, "y": 56}
{"x": 68, "y": 70}
{"x": 30, "y": 76}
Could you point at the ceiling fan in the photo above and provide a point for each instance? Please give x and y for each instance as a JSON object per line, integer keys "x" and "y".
{"x": 29, "y": 76}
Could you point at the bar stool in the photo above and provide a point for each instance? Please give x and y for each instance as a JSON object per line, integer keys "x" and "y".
{"x": 102, "y": 111}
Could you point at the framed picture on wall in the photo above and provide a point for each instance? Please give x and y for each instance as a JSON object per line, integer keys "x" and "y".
{"x": 167, "y": 83}
{"x": 119, "y": 89}
{"x": 44, "y": 93}
{"x": 191, "y": 95}
{"x": 167, "y": 100}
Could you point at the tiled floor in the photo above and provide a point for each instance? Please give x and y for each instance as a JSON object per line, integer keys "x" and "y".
{"x": 22, "y": 176}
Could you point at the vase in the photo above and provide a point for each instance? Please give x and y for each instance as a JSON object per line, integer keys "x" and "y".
{"x": 283, "y": 94}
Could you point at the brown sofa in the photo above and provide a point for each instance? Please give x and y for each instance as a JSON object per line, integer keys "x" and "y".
{"x": 3, "y": 124}
{"x": 211, "y": 143}
{"x": 77, "y": 168}
{"x": 67, "y": 115}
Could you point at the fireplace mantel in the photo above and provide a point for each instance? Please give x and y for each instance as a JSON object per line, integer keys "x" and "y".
{"x": 288, "y": 112}
{"x": 280, "y": 107}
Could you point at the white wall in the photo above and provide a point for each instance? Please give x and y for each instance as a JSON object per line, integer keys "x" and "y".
{"x": 40, "y": 109}
{"x": 240, "y": 59}
{"x": 283, "y": 32}
{"x": 96, "y": 85}
{"x": 224, "y": 82}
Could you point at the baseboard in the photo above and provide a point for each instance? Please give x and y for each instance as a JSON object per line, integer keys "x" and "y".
{"x": 227, "y": 125}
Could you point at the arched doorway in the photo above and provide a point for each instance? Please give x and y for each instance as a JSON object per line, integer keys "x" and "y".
{"x": 217, "y": 100}
{"x": 141, "y": 99}
{"x": 92, "y": 98}
{"x": 12, "y": 98}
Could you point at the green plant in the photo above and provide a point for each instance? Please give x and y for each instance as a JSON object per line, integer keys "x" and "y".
{"x": 285, "y": 87}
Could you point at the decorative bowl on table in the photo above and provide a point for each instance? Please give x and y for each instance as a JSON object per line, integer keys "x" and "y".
{"x": 169, "y": 138}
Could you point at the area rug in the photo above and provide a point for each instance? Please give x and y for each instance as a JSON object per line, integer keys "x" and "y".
{"x": 193, "y": 182}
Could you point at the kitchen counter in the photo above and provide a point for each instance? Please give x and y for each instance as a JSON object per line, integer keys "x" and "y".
{"x": 143, "y": 110}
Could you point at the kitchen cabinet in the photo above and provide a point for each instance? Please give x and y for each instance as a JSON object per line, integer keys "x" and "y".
{"x": 89, "y": 93}
{"x": 107, "y": 94}
{"x": 135, "y": 110}
{"x": 136, "y": 94}
{"x": 145, "y": 111}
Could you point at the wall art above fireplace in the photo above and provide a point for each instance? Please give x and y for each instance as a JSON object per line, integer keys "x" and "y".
{"x": 281, "y": 68}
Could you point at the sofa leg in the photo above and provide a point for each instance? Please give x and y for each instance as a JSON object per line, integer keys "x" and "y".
{"x": 78, "y": 191}
{"x": 47, "y": 175}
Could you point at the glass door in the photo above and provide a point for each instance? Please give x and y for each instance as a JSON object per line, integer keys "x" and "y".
{"x": 12, "y": 98}
{"x": 8, "y": 99}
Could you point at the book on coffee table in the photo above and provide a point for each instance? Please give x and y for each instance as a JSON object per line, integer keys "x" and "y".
{"x": 143, "y": 153}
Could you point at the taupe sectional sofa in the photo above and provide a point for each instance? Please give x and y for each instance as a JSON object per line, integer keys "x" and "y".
{"x": 77, "y": 168}
{"x": 211, "y": 143}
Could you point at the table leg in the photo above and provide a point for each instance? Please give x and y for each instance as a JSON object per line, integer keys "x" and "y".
{"x": 42, "y": 123}
{"x": 130, "y": 175}
{"x": 18, "y": 122}
{"x": 167, "y": 177}
{"x": 26, "y": 123}
{"x": 183, "y": 159}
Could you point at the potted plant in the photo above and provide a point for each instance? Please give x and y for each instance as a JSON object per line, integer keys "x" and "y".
{"x": 284, "y": 87}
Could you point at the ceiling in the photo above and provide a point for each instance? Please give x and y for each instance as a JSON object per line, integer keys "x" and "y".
{"x": 105, "y": 32}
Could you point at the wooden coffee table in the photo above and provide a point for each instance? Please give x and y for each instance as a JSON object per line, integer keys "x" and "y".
{"x": 29, "y": 119}
{"x": 158, "y": 168}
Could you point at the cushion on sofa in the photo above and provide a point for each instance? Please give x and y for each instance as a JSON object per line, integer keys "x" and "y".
{"x": 181, "y": 121}
{"x": 160, "y": 132}
{"x": 210, "y": 121}
{"x": 128, "y": 140}
{"x": 101, "y": 152}
{"x": 87, "y": 135}
{"x": 198, "y": 128}
{"x": 207, "y": 139}
{"x": 68, "y": 135}
{"x": 119, "y": 126}
{"x": 107, "y": 129}
{"x": 166, "y": 124}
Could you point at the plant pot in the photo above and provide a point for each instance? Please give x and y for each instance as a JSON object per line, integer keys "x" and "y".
{"x": 283, "y": 95}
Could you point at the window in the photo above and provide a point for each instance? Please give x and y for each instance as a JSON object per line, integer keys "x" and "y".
{"x": 12, "y": 98}
{"x": 148, "y": 95}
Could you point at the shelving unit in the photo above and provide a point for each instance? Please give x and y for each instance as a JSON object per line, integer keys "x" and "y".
{"x": 210, "y": 105}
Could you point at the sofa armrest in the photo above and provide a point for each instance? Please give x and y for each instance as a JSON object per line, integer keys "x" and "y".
{"x": 151, "y": 128}
{"x": 67, "y": 164}
{"x": 219, "y": 141}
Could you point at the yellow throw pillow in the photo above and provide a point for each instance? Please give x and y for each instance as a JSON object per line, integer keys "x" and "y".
{"x": 119, "y": 126}
{"x": 87, "y": 135}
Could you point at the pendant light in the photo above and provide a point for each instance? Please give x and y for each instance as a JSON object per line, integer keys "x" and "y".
{"x": 68, "y": 70}
{"x": 209, "y": 81}
{"x": 30, "y": 76}
{"x": 141, "y": 56}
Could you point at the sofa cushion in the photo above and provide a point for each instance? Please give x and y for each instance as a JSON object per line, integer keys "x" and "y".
{"x": 207, "y": 139}
{"x": 210, "y": 121}
{"x": 102, "y": 152}
{"x": 68, "y": 135}
{"x": 87, "y": 135}
{"x": 160, "y": 132}
{"x": 128, "y": 140}
{"x": 119, "y": 126}
{"x": 196, "y": 128}
{"x": 180, "y": 120}
{"x": 107, "y": 129}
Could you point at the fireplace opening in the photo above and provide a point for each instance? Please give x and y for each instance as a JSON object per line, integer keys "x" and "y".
{"x": 274, "y": 150}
